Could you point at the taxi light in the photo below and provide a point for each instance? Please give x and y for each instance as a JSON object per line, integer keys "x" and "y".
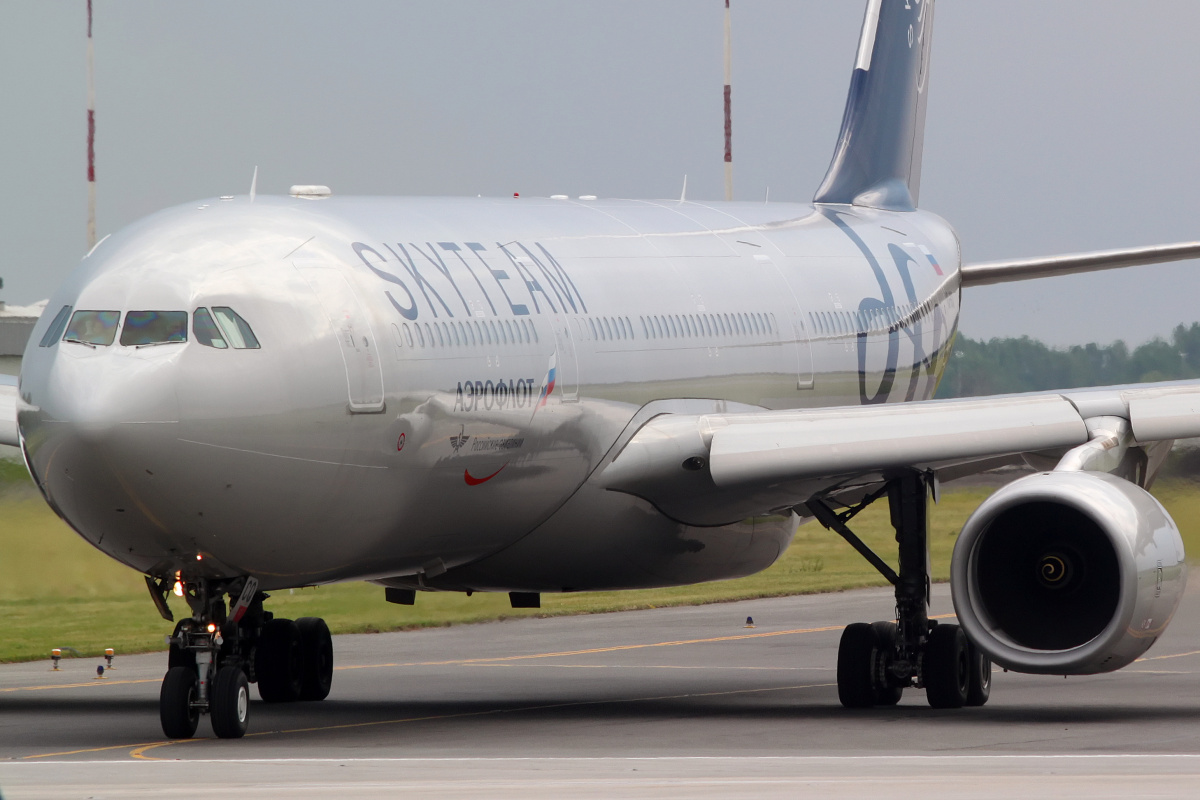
{"x": 178, "y": 588}
{"x": 212, "y": 627}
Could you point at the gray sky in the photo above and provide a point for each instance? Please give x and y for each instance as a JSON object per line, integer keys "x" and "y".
{"x": 1054, "y": 126}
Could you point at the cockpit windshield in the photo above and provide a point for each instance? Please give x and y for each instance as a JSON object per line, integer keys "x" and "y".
{"x": 206, "y": 331}
{"x": 236, "y": 330}
{"x": 93, "y": 328}
{"x": 154, "y": 327}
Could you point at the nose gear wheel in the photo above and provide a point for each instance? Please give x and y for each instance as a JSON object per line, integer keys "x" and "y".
{"x": 216, "y": 654}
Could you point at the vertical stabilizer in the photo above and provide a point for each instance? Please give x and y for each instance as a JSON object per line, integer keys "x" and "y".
{"x": 877, "y": 162}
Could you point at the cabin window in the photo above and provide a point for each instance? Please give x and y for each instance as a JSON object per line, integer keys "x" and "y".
{"x": 55, "y": 331}
{"x": 93, "y": 327}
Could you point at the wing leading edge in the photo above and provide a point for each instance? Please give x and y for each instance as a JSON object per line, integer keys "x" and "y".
{"x": 992, "y": 272}
{"x": 716, "y": 468}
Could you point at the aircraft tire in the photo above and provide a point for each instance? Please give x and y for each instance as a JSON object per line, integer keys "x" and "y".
{"x": 179, "y": 718}
{"x": 229, "y": 705}
{"x": 886, "y": 694}
{"x": 856, "y": 656}
{"x": 277, "y": 662}
{"x": 316, "y": 658}
{"x": 980, "y": 688}
{"x": 947, "y": 671}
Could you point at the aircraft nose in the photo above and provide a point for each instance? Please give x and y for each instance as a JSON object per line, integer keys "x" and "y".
{"x": 96, "y": 427}
{"x": 94, "y": 398}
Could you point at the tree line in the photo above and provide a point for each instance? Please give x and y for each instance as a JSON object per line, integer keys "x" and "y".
{"x": 999, "y": 366}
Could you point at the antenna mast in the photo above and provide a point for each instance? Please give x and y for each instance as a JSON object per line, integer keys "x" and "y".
{"x": 91, "y": 136}
{"x": 728, "y": 114}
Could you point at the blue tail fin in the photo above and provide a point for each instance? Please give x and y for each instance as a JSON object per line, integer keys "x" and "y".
{"x": 877, "y": 162}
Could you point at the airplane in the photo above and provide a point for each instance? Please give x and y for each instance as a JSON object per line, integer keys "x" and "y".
{"x": 532, "y": 395}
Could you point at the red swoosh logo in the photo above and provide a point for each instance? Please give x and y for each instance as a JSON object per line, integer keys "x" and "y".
{"x": 476, "y": 481}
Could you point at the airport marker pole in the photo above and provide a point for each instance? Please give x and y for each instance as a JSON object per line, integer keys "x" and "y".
{"x": 91, "y": 136}
{"x": 728, "y": 110}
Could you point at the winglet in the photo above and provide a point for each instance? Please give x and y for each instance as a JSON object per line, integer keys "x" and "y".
{"x": 877, "y": 161}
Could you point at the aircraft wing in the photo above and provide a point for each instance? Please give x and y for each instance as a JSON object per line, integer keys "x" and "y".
{"x": 715, "y": 468}
{"x": 1050, "y": 266}
{"x": 8, "y": 410}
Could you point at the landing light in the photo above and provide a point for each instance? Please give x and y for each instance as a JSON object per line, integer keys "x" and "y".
{"x": 212, "y": 627}
{"x": 179, "y": 588}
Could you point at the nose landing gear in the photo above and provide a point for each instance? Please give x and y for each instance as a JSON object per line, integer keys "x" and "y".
{"x": 215, "y": 654}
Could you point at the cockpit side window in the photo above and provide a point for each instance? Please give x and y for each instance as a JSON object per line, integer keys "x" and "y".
{"x": 206, "y": 331}
{"x": 237, "y": 332}
{"x": 154, "y": 327}
{"x": 55, "y": 331}
{"x": 93, "y": 327}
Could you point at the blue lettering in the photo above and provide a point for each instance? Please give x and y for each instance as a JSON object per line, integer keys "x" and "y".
{"x": 499, "y": 275}
{"x": 409, "y": 311}
{"x": 422, "y": 283}
{"x": 454, "y": 248}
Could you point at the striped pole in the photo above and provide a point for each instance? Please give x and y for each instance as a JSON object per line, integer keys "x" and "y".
{"x": 728, "y": 110}
{"x": 91, "y": 136}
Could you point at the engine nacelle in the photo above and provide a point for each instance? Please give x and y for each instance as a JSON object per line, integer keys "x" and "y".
{"x": 1067, "y": 573}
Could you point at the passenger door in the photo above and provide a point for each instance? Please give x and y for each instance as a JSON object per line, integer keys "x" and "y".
{"x": 352, "y": 329}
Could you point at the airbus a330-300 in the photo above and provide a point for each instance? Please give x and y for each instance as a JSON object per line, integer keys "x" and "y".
{"x": 549, "y": 395}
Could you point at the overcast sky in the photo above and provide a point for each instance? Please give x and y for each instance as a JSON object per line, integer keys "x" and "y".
{"x": 1054, "y": 125}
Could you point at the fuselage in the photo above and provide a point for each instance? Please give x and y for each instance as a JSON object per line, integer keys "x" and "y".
{"x": 437, "y": 379}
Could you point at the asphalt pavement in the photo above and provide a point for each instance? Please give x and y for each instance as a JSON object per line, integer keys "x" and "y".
{"x": 661, "y": 703}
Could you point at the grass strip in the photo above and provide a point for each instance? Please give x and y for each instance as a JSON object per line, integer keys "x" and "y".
{"x": 56, "y": 590}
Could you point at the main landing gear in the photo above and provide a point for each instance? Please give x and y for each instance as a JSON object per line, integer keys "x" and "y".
{"x": 877, "y": 662}
{"x": 216, "y": 654}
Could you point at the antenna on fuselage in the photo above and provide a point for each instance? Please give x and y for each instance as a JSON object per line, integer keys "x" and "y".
{"x": 91, "y": 136}
{"x": 254, "y": 184}
{"x": 728, "y": 109}
{"x": 683, "y": 194}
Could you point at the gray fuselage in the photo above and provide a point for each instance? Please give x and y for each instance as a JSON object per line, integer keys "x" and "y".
{"x": 438, "y": 379}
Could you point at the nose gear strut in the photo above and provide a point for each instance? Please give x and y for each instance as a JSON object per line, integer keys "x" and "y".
{"x": 216, "y": 653}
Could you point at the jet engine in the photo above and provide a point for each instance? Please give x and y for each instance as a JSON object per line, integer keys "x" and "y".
{"x": 1067, "y": 573}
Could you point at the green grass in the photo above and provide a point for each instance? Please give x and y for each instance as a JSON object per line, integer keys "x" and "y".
{"x": 58, "y": 591}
